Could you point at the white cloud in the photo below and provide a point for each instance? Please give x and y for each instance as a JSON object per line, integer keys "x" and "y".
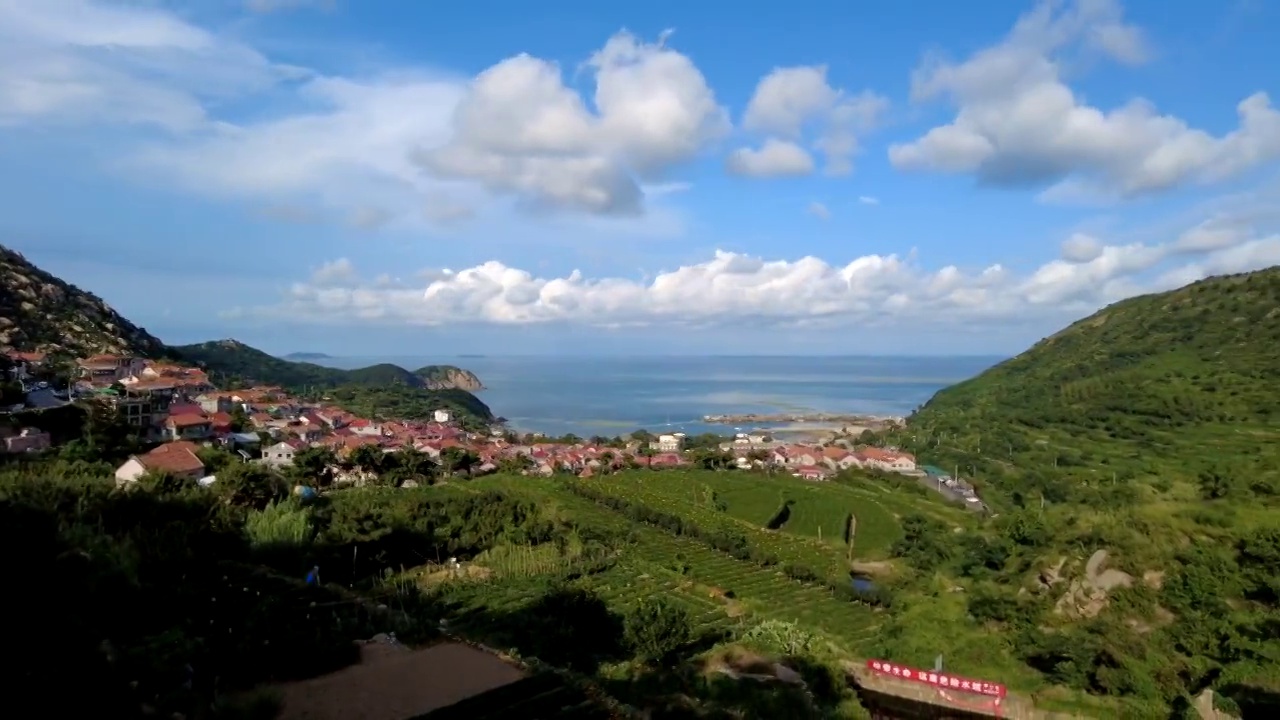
{"x": 1018, "y": 122}
{"x": 790, "y": 102}
{"x": 819, "y": 210}
{"x": 336, "y": 273}
{"x": 1081, "y": 248}
{"x": 733, "y": 288}
{"x": 80, "y": 62}
{"x": 389, "y": 139}
{"x": 267, "y": 6}
{"x": 520, "y": 130}
{"x": 868, "y": 200}
{"x": 776, "y": 158}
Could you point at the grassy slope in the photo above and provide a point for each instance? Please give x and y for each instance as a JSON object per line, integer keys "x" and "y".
{"x": 1149, "y": 429}
{"x": 1160, "y": 386}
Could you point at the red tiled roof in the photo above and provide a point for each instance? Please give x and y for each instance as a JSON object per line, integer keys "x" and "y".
{"x": 178, "y": 456}
{"x": 179, "y": 421}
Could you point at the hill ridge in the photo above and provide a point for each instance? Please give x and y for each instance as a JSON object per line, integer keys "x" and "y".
{"x": 40, "y": 312}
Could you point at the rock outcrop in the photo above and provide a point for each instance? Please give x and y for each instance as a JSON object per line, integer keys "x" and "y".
{"x": 1087, "y": 596}
{"x": 448, "y": 377}
{"x": 41, "y": 313}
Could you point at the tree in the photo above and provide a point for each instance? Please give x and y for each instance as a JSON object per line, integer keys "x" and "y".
{"x": 368, "y": 458}
{"x": 515, "y": 464}
{"x": 239, "y": 419}
{"x": 713, "y": 459}
{"x": 656, "y": 630}
{"x": 215, "y": 459}
{"x": 312, "y": 465}
{"x": 250, "y": 485}
{"x": 458, "y": 459}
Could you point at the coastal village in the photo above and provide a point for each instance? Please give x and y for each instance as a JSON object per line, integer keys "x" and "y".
{"x": 179, "y": 408}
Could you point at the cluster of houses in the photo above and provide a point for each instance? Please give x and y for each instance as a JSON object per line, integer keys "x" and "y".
{"x": 180, "y": 409}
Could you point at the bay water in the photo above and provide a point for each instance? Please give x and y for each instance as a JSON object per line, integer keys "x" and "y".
{"x": 615, "y": 395}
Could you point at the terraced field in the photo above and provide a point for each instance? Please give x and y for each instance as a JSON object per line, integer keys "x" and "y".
{"x": 716, "y": 588}
{"x": 816, "y": 526}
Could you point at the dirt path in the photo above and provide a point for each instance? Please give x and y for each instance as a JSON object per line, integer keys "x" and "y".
{"x": 395, "y": 683}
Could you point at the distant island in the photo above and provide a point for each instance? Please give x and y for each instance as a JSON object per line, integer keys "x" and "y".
{"x": 307, "y": 356}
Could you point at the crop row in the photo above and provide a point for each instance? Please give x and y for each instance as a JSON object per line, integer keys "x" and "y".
{"x": 764, "y": 592}
{"x": 786, "y": 548}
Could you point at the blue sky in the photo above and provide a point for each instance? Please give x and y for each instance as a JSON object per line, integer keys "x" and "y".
{"x": 411, "y": 178}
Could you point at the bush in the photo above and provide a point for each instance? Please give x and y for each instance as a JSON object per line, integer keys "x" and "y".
{"x": 656, "y": 630}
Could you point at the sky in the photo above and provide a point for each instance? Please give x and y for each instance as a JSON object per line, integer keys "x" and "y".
{"x": 571, "y": 177}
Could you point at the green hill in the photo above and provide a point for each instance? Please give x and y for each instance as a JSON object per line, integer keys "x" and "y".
{"x": 1156, "y": 389}
{"x": 1150, "y": 430}
{"x": 383, "y": 390}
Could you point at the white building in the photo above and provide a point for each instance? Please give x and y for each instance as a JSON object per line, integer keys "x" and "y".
{"x": 669, "y": 443}
{"x": 281, "y": 454}
{"x": 441, "y": 416}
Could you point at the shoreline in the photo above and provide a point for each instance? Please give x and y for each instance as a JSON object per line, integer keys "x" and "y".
{"x": 871, "y": 421}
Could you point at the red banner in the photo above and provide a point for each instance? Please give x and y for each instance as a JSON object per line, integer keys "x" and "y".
{"x": 940, "y": 680}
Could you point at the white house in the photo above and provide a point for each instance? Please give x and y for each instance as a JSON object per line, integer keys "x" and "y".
{"x": 441, "y": 416}
{"x": 281, "y": 454}
{"x": 669, "y": 443}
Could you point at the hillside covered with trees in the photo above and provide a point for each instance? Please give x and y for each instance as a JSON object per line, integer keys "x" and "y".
{"x": 383, "y": 390}
{"x": 1151, "y": 431}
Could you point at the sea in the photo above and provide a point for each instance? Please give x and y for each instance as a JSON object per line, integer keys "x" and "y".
{"x": 615, "y": 395}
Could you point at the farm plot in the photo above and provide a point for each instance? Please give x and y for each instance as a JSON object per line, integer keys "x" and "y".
{"x": 716, "y": 588}
{"x": 764, "y": 593}
{"x": 809, "y": 552}
{"x": 553, "y": 499}
{"x": 818, "y": 512}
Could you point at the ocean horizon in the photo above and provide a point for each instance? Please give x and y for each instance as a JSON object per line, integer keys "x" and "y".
{"x": 609, "y": 396}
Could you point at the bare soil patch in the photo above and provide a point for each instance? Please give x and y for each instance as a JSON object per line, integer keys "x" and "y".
{"x": 395, "y": 683}
{"x": 872, "y": 567}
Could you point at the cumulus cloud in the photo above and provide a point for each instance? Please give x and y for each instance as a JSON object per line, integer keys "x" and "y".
{"x": 792, "y": 102}
{"x": 519, "y": 129}
{"x": 392, "y": 139}
{"x": 734, "y": 288}
{"x": 776, "y": 158}
{"x": 819, "y": 210}
{"x": 1081, "y": 248}
{"x": 1018, "y": 123}
{"x": 868, "y": 200}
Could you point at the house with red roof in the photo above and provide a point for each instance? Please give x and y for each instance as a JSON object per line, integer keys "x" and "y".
{"x": 188, "y": 427}
{"x": 176, "y": 458}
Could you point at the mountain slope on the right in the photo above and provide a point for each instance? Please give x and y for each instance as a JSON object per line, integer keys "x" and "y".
{"x": 1159, "y": 388}
{"x": 1133, "y": 464}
